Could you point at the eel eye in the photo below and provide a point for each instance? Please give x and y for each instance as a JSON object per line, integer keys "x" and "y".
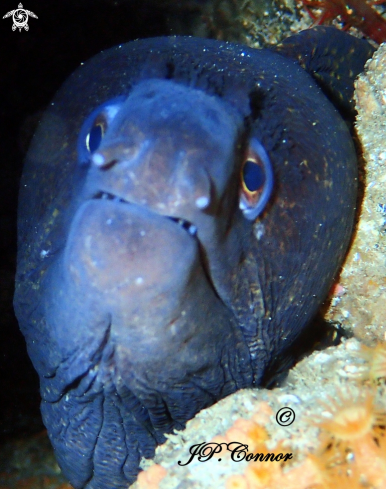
{"x": 256, "y": 181}
{"x": 253, "y": 177}
{"x": 95, "y": 136}
{"x": 95, "y": 127}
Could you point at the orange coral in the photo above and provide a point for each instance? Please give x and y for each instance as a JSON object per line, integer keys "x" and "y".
{"x": 263, "y": 413}
{"x": 236, "y": 482}
{"x": 150, "y": 478}
{"x": 352, "y": 452}
{"x": 261, "y": 474}
{"x": 353, "y": 444}
{"x": 376, "y": 357}
{"x": 248, "y": 432}
{"x": 266, "y": 474}
{"x": 272, "y": 476}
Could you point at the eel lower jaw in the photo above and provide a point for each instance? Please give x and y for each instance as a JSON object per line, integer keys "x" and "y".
{"x": 185, "y": 224}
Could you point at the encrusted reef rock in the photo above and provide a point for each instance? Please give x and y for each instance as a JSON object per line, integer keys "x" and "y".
{"x": 339, "y": 409}
{"x": 360, "y": 303}
{"x": 256, "y": 23}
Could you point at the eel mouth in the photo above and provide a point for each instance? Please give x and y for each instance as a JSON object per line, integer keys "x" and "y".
{"x": 183, "y": 223}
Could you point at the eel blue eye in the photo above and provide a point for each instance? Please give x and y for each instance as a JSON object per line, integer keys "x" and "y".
{"x": 94, "y": 137}
{"x": 253, "y": 175}
{"x": 256, "y": 180}
{"x": 95, "y": 126}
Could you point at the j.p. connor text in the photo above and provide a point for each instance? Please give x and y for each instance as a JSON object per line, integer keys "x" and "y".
{"x": 239, "y": 452}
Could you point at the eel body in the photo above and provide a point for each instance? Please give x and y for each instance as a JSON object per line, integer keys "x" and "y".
{"x": 184, "y": 208}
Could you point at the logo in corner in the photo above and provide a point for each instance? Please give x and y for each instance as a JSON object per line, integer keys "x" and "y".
{"x": 20, "y": 17}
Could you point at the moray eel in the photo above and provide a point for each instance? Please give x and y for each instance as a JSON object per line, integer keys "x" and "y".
{"x": 184, "y": 208}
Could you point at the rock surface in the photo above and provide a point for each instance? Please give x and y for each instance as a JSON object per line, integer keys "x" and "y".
{"x": 360, "y": 305}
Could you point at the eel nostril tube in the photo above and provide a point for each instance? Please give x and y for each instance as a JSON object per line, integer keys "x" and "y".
{"x": 98, "y": 159}
{"x": 202, "y": 202}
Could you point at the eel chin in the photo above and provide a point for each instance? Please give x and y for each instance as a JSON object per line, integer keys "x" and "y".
{"x": 140, "y": 341}
{"x": 123, "y": 250}
{"x": 145, "y": 271}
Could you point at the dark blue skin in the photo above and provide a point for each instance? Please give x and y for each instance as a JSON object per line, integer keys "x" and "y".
{"x": 134, "y": 320}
